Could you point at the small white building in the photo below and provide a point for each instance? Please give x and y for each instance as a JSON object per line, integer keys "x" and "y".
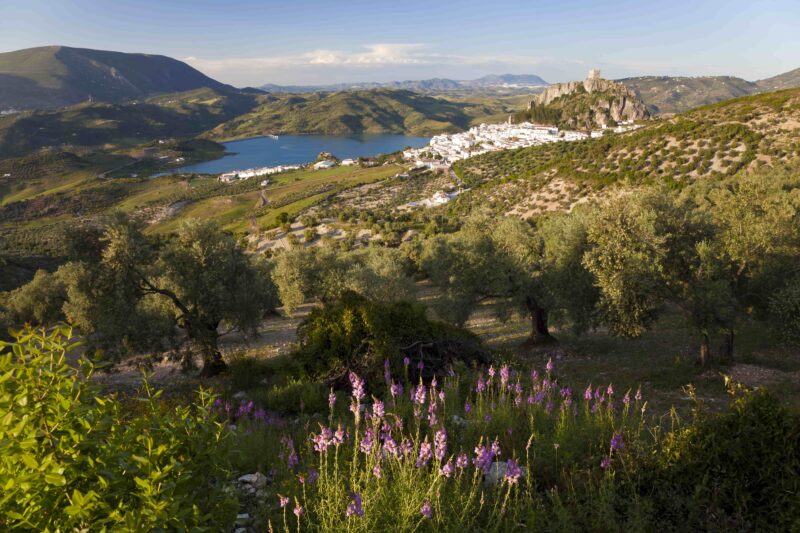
{"x": 324, "y": 164}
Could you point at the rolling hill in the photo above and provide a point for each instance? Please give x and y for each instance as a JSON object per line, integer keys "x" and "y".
{"x": 787, "y": 80}
{"x": 56, "y": 76}
{"x": 675, "y": 94}
{"x": 352, "y": 112}
{"x": 112, "y": 125}
{"x": 709, "y": 142}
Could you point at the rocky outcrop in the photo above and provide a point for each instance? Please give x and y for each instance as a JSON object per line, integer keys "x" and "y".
{"x": 593, "y": 102}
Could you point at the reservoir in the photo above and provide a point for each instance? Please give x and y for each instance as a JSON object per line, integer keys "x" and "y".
{"x": 299, "y": 149}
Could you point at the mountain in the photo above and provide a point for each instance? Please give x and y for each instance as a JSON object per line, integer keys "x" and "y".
{"x": 508, "y": 80}
{"x": 363, "y": 111}
{"x": 787, "y": 80}
{"x": 113, "y": 125}
{"x": 433, "y": 85}
{"x": 675, "y": 94}
{"x": 57, "y": 76}
{"x": 588, "y": 104}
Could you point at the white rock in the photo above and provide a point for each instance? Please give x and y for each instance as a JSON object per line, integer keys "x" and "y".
{"x": 242, "y": 519}
{"x": 256, "y": 479}
{"x": 458, "y": 421}
{"x": 497, "y": 471}
{"x": 241, "y": 395}
{"x": 240, "y": 530}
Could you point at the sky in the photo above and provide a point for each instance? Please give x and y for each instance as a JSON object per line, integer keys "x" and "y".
{"x": 249, "y": 42}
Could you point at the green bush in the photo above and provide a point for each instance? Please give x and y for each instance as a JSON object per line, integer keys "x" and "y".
{"x": 71, "y": 459}
{"x": 739, "y": 471}
{"x": 356, "y": 333}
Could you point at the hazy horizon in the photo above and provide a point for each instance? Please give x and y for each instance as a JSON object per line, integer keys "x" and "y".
{"x": 318, "y": 43}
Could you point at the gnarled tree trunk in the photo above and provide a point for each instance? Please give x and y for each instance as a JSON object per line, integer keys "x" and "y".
{"x": 539, "y": 330}
{"x": 705, "y": 350}
{"x": 205, "y": 340}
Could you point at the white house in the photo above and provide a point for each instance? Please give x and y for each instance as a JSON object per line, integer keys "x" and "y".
{"x": 324, "y": 164}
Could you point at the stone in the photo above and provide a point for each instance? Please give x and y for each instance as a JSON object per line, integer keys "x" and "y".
{"x": 242, "y": 519}
{"x": 458, "y": 421}
{"x": 256, "y": 479}
{"x": 240, "y": 530}
{"x": 496, "y": 473}
{"x": 241, "y": 395}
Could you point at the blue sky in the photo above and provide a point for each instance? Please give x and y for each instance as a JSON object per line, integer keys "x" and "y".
{"x": 308, "y": 42}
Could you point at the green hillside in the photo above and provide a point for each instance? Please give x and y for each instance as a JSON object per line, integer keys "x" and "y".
{"x": 709, "y": 142}
{"x": 112, "y": 125}
{"x": 56, "y": 76}
{"x": 372, "y": 111}
{"x": 676, "y": 94}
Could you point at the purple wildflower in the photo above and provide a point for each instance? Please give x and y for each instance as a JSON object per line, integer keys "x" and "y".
{"x": 610, "y": 390}
{"x": 513, "y": 471}
{"x": 331, "y": 399}
{"x": 447, "y": 469}
{"x": 406, "y": 448}
{"x": 355, "y": 508}
{"x": 638, "y": 396}
{"x": 298, "y": 510}
{"x": 358, "y": 386}
{"x": 549, "y": 367}
{"x": 462, "y": 461}
{"x": 616, "y": 442}
{"x": 376, "y": 470}
{"x": 424, "y": 453}
{"x": 390, "y": 446}
{"x": 425, "y": 510}
{"x": 366, "y": 443}
{"x": 534, "y": 375}
{"x": 605, "y": 463}
{"x": 283, "y": 500}
{"x": 503, "y": 376}
{"x": 467, "y": 407}
{"x": 396, "y": 389}
{"x": 481, "y": 385}
{"x": 487, "y": 418}
{"x": 440, "y": 444}
{"x": 483, "y": 458}
{"x": 419, "y": 395}
{"x": 406, "y": 361}
{"x": 313, "y": 476}
{"x": 338, "y": 436}
{"x": 495, "y": 447}
{"x": 627, "y": 398}
{"x": 587, "y": 395}
{"x": 377, "y": 408}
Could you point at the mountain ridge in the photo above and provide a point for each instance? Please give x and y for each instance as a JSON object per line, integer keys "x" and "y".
{"x": 56, "y": 76}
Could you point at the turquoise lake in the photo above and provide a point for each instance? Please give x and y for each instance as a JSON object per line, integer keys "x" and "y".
{"x": 298, "y": 149}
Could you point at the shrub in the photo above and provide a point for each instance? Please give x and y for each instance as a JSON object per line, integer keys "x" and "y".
{"x": 739, "y": 471}
{"x": 357, "y": 333}
{"x": 70, "y": 459}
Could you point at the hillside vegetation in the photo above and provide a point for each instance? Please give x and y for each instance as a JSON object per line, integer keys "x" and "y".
{"x": 372, "y": 111}
{"x": 110, "y": 125}
{"x": 676, "y": 94}
{"x": 56, "y": 76}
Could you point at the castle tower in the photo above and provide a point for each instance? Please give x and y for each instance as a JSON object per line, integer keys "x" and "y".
{"x": 594, "y": 74}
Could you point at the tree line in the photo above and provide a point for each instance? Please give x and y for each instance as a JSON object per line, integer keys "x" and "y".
{"x": 724, "y": 252}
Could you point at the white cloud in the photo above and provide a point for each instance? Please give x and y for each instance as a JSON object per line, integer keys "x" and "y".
{"x": 373, "y": 61}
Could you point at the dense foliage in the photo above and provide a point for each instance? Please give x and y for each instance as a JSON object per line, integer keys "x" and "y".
{"x": 73, "y": 458}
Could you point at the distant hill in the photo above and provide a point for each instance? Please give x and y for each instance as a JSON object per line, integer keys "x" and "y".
{"x": 787, "y": 80}
{"x": 351, "y": 112}
{"x": 57, "y": 76}
{"x": 434, "y": 85}
{"x": 113, "y": 125}
{"x": 675, "y": 94}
